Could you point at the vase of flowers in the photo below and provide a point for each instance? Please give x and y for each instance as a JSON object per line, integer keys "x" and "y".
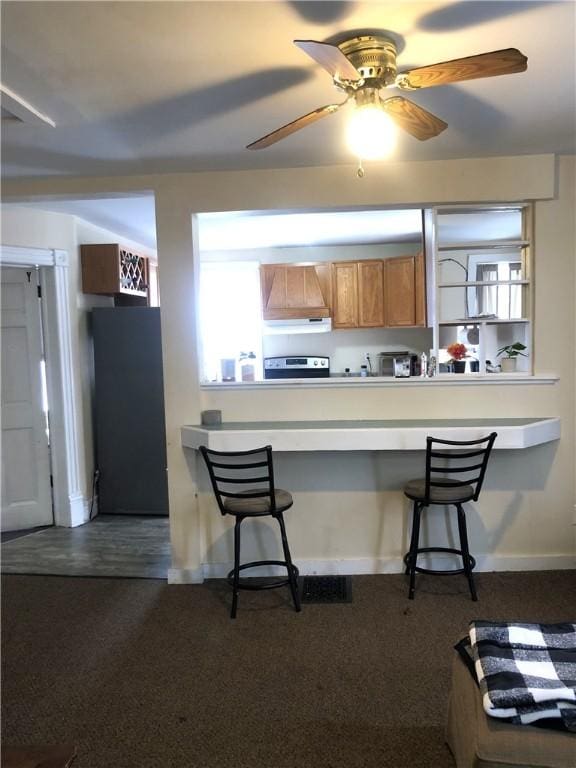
{"x": 458, "y": 353}
{"x": 509, "y": 355}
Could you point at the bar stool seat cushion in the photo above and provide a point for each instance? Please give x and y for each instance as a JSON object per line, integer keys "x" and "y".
{"x": 258, "y": 506}
{"x": 479, "y": 741}
{"x": 416, "y": 490}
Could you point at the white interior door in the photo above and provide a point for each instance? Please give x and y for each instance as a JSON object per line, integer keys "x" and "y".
{"x": 26, "y": 493}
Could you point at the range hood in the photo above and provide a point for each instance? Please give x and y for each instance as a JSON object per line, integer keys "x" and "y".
{"x": 298, "y": 325}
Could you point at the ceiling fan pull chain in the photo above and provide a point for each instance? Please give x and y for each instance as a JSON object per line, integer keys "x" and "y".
{"x": 360, "y": 172}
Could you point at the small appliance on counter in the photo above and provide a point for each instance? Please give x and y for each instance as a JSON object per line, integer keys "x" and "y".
{"x": 400, "y": 364}
{"x": 301, "y": 367}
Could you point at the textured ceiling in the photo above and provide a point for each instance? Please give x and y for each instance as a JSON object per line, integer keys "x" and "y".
{"x": 177, "y": 86}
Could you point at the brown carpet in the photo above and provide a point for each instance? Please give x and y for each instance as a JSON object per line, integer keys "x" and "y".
{"x": 139, "y": 674}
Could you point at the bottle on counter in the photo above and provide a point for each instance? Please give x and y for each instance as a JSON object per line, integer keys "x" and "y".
{"x": 247, "y": 367}
{"x": 364, "y": 370}
{"x": 423, "y": 364}
{"x": 432, "y": 367}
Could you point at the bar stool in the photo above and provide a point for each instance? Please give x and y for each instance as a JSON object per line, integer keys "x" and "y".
{"x": 230, "y": 472}
{"x": 463, "y": 457}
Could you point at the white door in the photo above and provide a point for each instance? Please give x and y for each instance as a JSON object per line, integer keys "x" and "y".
{"x": 26, "y": 493}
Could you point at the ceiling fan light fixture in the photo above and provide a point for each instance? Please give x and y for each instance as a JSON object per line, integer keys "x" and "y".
{"x": 371, "y": 134}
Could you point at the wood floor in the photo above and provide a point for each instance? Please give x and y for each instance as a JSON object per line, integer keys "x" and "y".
{"x": 121, "y": 546}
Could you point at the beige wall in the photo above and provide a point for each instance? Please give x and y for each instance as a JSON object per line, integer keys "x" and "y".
{"x": 349, "y": 506}
{"x": 32, "y": 228}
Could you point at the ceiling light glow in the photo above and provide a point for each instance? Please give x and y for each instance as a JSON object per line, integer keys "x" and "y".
{"x": 371, "y": 134}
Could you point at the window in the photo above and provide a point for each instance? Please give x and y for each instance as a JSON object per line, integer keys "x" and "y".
{"x": 230, "y": 317}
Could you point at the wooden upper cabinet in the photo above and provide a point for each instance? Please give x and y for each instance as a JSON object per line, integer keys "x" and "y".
{"x": 370, "y": 294}
{"x": 400, "y": 292}
{"x": 295, "y": 290}
{"x": 345, "y": 294}
{"x": 420, "y": 287}
{"x": 111, "y": 269}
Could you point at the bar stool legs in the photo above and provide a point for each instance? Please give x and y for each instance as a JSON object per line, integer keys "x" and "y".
{"x": 236, "y": 581}
{"x": 411, "y": 558}
{"x": 291, "y": 574}
{"x": 413, "y": 553}
{"x": 466, "y": 559}
{"x": 292, "y": 571}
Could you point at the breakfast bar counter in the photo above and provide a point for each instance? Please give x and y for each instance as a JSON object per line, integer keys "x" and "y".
{"x": 368, "y": 435}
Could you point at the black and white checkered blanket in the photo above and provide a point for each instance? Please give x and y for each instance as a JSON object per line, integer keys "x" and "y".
{"x": 526, "y": 672}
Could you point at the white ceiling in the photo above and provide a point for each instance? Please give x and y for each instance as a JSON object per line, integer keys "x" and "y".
{"x": 225, "y": 231}
{"x": 139, "y": 87}
{"x": 133, "y": 217}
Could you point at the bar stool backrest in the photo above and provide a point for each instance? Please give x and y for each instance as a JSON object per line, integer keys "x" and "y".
{"x": 231, "y": 471}
{"x": 466, "y": 458}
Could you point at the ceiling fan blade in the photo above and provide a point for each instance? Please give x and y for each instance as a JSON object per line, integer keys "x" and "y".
{"x": 414, "y": 119}
{"x": 295, "y": 125}
{"x": 331, "y": 58}
{"x": 505, "y": 62}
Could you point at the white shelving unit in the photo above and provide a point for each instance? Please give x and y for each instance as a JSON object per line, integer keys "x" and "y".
{"x": 459, "y": 303}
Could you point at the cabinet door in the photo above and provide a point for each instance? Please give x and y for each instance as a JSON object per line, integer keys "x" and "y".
{"x": 400, "y": 292}
{"x": 370, "y": 294}
{"x": 420, "y": 285}
{"x": 100, "y": 269}
{"x": 345, "y": 294}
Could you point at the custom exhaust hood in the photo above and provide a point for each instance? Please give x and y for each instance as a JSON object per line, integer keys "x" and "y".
{"x": 296, "y": 298}
{"x": 297, "y": 325}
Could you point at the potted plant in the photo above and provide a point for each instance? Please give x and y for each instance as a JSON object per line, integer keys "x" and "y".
{"x": 457, "y": 353}
{"x": 510, "y": 354}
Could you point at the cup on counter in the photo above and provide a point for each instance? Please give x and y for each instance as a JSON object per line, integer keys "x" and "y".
{"x": 210, "y": 418}
{"x": 228, "y": 369}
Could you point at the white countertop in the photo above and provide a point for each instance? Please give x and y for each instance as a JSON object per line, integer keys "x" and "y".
{"x": 442, "y": 380}
{"x": 364, "y": 435}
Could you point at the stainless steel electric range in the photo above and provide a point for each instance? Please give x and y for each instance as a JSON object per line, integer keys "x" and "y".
{"x": 301, "y": 367}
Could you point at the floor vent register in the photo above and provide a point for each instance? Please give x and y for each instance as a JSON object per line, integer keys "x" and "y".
{"x": 326, "y": 589}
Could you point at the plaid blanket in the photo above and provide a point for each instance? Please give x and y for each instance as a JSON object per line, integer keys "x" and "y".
{"x": 526, "y": 672}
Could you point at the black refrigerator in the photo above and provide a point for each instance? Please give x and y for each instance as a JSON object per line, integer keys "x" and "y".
{"x": 130, "y": 437}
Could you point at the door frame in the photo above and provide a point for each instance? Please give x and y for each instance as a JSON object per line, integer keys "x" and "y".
{"x": 70, "y": 507}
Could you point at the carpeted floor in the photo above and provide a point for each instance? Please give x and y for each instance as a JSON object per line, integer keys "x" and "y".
{"x": 139, "y": 674}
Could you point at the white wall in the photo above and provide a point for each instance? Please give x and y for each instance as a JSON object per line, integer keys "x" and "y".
{"x": 350, "y": 506}
{"x": 33, "y": 228}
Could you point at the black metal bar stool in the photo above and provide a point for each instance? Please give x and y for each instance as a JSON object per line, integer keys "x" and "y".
{"x": 230, "y": 472}
{"x": 463, "y": 457}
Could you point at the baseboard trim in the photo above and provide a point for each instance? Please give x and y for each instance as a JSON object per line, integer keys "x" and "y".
{"x": 382, "y": 565}
{"x": 186, "y": 575}
{"x": 79, "y": 510}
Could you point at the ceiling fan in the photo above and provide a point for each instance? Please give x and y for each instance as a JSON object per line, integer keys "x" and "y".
{"x": 364, "y": 65}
